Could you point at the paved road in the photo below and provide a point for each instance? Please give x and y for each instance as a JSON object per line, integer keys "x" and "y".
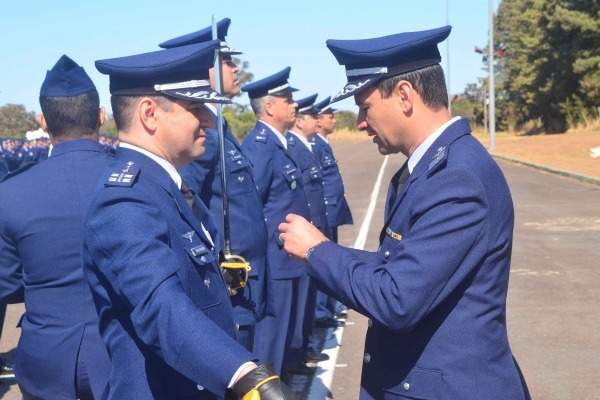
{"x": 554, "y": 293}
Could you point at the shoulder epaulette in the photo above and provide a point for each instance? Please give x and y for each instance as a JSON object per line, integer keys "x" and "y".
{"x": 123, "y": 174}
{"x": 261, "y": 136}
{"x": 438, "y": 161}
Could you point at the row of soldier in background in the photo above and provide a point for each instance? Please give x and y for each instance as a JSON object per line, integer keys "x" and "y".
{"x": 274, "y": 306}
{"x": 15, "y": 153}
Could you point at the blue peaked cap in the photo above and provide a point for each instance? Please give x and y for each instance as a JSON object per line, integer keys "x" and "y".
{"x": 203, "y": 35}
{"x": 305, "y": 105}
{"x": 181, "y": 72}
{"x": 368, "y": 61}
{"x": 66, "y": 79}
{"x": 324, "y": 106}
{"x": 274, "y": 85}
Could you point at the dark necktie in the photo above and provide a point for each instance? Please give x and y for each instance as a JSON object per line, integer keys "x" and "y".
{"x": 402, "y": 180}
{"x": 398, "y": 181}
{"x": 189, "y": 198}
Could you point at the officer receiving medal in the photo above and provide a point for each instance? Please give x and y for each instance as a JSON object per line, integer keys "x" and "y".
{"x": 151, "y": 248}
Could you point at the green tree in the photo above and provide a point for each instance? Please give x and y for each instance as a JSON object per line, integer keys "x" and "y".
{"x": 345, "y": 119}
{"x": 470, "y": 104}
{"x": 551, "y": 69}
{"x": 241, "y": 121}
{"x": 15, "y": 121}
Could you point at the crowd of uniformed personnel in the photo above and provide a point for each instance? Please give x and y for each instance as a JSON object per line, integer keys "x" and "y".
{"x": 182, "y": 264}
{"x": 18, "y": 152}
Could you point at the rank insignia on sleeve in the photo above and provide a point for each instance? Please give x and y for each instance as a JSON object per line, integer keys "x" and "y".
{"x": 393, "y": 234}
{"x": 124, "y": 174}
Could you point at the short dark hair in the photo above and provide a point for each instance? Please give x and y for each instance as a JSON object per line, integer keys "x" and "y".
{"x": 122, "y": 107}
{"x": 429, "y": 82}
{"x": 72, "y": 116}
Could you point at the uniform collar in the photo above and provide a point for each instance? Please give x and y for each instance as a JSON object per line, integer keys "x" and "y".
{"x": 323, "y": 137}
{"x": 302, "y": 139}
{"x": 426, "y": 144}
{"x": 167, "y": 166}
{"x": 278, "y": 134}
{"x": 75, "y": 145}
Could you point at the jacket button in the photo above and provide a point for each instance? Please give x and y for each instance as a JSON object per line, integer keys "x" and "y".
{"x": 203, "y": 259}
{"x": 370, "y": 322}
{"x": 367, "y": 358}
{"x": 200, "y": 387}
{"x": 406, "y": 386}
{"x": 386, "y": 254}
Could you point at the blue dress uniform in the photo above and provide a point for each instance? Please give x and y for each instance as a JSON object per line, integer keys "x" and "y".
{"x": 247, "y": 221}
{"x": 338, "y": 211}
{"x": 435, "y": 291}
{"x": 60, "y": 354}
{"x": 3, "y": 164}
{"x": 151, "y": 260}
{"x": 165, "y": 313}
{"x": 41, "y": 221}
{"x": 312, "y": 182}
{"x": 279, "y": 184}
{"x": 248, "y": 235}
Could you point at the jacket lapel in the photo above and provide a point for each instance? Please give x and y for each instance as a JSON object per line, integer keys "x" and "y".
{"x": 450, "y": 134}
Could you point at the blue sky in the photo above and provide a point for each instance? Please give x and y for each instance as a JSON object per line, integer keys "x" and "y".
{"x": 272, "y": 35}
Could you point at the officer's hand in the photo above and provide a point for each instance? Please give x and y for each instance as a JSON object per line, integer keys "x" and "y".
{"x": 298, "y": 236}
{"x": 262, "y": 384}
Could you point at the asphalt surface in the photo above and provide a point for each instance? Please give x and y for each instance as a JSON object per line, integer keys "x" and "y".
{"x": 554, "y": 290}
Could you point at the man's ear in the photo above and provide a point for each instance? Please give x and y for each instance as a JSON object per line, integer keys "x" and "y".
{"x": 269, "y": 108}
{"x": 101, "y": 116}
{"x": 42, "y": 122}
{"x": 147, "y": 114}
{"x": 405, "y": 93}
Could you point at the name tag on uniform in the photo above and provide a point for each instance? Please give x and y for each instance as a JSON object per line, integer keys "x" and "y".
{"x": 393, "y": 234}
{"x": 199, "y": 250}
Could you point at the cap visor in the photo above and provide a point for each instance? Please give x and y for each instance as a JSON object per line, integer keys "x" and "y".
{"x": 199, "y": 95}
{"x": 287, "y": 90}
{"x": 354, "y": 87}
{"x": 230, "y": 51}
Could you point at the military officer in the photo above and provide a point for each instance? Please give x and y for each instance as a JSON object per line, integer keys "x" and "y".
{"x": 435, "y": 291}
{"x": 280, "y": 187}
{"x": 246, "y": 218}
{"x": 60, "y": 352}
{"x": 338, "y": 211}
{"x": 150, "y": 247}
{"x": 303, "y": 347}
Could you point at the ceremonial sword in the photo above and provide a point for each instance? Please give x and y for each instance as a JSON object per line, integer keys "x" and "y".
{"x": 234, "y": 267}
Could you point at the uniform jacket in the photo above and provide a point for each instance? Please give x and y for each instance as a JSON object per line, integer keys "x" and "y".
{"x": 246, "y": 219}
{"x": 312, "y": 180}
{"x": 279, "y": 184}
{"x": 435, "y": 291}
{"x": 41, "y": 223}
{"x": 165, "y": 313}
{"x": 338, "y": 212}
{"x": 3, "y": 165}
